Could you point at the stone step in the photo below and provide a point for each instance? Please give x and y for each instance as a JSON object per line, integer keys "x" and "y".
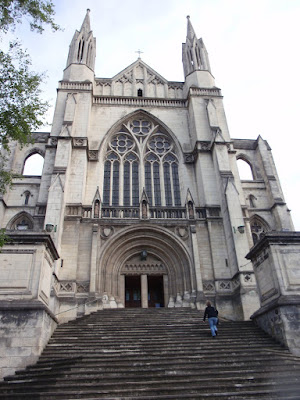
{"x": 152, "y": 346}
{"x": 144, "y": 380}
{"x": 157, "y": 354}
{"x": 196, "y": 389}
{"x": 162, "y": 367}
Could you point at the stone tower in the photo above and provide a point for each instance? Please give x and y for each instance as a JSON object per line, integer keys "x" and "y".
{"x": 139, "y": 204}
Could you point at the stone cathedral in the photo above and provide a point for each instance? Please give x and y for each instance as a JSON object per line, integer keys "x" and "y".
{"x": 140, "y": 203}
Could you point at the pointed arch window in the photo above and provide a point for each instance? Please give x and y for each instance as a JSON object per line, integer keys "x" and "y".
{"x": 33, "y": 165}
{"x": 252, "y": 201}
{"x": 125, "y": 175}
{"x": 121, "y": 172}
{"x": 80, "y": 50}
{"x": 111, "y": 180}
{"x": 161, "y": 171}
{"x": 27, "y": 197}
{"x": 245, "y": 169}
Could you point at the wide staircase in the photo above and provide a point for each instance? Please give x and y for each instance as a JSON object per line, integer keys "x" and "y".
{"x": 157, "y": 354}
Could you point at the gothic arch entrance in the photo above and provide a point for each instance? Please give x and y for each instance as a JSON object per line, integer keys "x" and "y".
{"x": 145, "y": 266}
{"x": 146, "y": 281}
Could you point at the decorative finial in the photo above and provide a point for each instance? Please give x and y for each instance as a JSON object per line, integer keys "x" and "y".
{"x": 188, "y": 17}
{"x": 139, "y": 52}
{"x": 88, "y": 10}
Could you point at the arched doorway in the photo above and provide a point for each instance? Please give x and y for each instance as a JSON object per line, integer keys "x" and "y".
{"x": 146, "y": 281}
{"x": 145, "y": 266}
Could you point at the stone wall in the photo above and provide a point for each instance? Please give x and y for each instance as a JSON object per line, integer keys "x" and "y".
{"x": 26, "y": 319}
{"x": 276, "y": 265}
{"x": 24, "y": 332}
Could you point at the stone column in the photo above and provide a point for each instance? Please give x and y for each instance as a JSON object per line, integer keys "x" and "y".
{"x": 166, "y": 289}
{"x": 121, "y": 291}
{"x": 93, "y": 259}
{"x": 199, "y": 283}
{"x": 144, "y": 290}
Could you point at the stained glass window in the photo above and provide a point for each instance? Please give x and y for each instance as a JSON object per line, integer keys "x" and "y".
{"x": 148, "y": 181}
{"x": 156, "y": 180}
{"x": 126, "y": 183}
{"x": 168, "y": 191}
{"x": 141, "y": 139}
{"x": 135, "y": 184}
{"x": 106, "y": 185}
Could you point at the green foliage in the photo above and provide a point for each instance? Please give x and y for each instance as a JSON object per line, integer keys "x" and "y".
{"x": 6, "y": 178}
{"x": 3, "y": 238}
{"x": 40, "y": 12}
{"x": 21, "y": 109}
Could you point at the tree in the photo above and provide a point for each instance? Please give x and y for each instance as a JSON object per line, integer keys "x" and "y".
{"x": 40, "y": 12}
{"x": 21, "y": 109}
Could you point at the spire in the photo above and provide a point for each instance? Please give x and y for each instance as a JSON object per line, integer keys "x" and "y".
{"x": 86, "y": 25}
{"x": 83, "y": 46}
{"x": 194, "y": 54}
{"x": 190, "y": 30}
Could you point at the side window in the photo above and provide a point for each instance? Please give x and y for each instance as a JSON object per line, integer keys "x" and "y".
{"x": 27, "y": 197}
{"x": 252, "y": 201}
{"x": 245, "y": 170}
{"x": 34, "y": 165}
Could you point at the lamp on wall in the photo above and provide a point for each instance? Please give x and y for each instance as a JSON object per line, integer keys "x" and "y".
{"x": 240, "y": 228}
{"x": 49, "y": 227}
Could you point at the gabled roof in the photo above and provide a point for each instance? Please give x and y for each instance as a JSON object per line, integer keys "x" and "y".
{"x": 129, "y": 70}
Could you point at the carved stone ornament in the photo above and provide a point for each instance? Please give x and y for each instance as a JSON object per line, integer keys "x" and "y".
{"x": 106, "y": 232}
{"x": 208, "y": 286}
{"x": 79, "y": 142}
{"x": 93, "y": 155}
{"x": 40, "y": 137}
{"x": 204, "y": 146}
{"x": 53, "y": 141}
{"x": 182, "y": 232}
{"x": 189, "y": 158}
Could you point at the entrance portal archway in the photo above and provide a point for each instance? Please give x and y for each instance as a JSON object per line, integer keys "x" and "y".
{"x": 167, "y": 258}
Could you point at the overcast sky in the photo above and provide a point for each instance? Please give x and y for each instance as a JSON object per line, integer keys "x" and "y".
{"x": 252, "y": 45}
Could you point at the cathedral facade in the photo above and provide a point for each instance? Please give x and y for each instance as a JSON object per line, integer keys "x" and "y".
{"x": 140, "y": 203}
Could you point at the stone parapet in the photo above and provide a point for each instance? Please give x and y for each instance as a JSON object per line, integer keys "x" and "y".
{"x": 276, "y": 266}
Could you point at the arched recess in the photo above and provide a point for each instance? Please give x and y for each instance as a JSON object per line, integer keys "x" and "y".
{"x": 33, "y": 163}
{"x": 159, "y": 243}
{"x": 21, "y": 222}
{"x": 258, "y": 227}
{"x": 245, "y": 168}
{"x": 252, "y": 200}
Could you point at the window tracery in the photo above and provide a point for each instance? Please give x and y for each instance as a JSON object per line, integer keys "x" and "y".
{"x": 258, "y": 229}
{"x": 125, "y": 174}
